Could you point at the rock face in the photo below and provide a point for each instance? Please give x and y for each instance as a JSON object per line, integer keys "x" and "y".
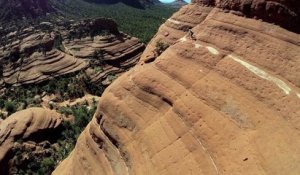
{"x": 115, "y": 53}
{"x": 176, "y": 27}
{"x": 39, "y": 53}
{"x": 224, "y": 98}
{"x": 282, "y": 12}
{"x": 34, "y": 59}
{"x": 23, "y": 125}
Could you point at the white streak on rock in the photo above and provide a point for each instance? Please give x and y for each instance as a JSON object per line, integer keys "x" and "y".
{"x": 183, "y": 39}
{"x": 174, "y": 21}
{"x": 209, "y": 155}
{"x": 197, "y": 46}
{"x": 264, "y": 75}
{"x": 298, "y": 95}
{"x": 212, "y": 50}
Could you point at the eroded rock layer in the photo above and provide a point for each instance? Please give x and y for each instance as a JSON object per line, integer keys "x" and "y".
{"x": 116, "y": 53}
{"x": 39, "y": 53}
{"x": 34, "y": 59}
{"x": 24, "y": 124}
{"x": 285, "y": 13}
{"x": 176, "y": 27}
{"x": 224, "y": 98}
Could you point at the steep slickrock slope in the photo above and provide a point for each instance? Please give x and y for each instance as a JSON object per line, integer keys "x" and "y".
{"x": 176, "y": 27}
{"x": 222, "y": 99}
{"x": 23, "y": 125}
{"x": 39, "y": 53}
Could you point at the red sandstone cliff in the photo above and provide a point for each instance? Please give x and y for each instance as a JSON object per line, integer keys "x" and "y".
{"x": 225, "y": 100}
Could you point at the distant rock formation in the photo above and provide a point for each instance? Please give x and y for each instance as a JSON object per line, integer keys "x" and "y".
{"x": 223, "y": 98}
{"x": 35, "y": 54}
{"x": 18, "y": 9}
{"x": 176, "y": 4}
{"x": 23, "y": 125}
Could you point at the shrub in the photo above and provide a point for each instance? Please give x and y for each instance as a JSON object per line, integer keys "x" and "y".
{"x": 66, "y": 111}
{"x": 99, "y": 54}
{"x": 10, "y": 107}
{"x": 2, "y": 116}
{"x": 111, "y": 77}
{"x": 47, "y": 163}
{"x": 160, "y": 47}
{"x": 2, "y": 103}
{"x": 98, "y": 69}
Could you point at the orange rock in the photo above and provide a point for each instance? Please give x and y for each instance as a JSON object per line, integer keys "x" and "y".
{"x": 227, "y": 103}
{"x": 23, "y": 124}
{"x": 34, "y": 56}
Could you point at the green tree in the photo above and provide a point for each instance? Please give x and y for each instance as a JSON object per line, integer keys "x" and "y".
{"x": 10, "y": 107}
{"x": 2, "y": 103}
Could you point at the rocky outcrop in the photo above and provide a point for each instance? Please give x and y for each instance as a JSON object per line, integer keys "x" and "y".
{"x": 117, "y": 53}
{"x": 23, "y": 125}
{"x": 39, "y": 53}
{"x": 224, "y": 98}
{"x": 34, "y": 59}
{"x": 175, "y": 28}
{"x": 281, "y": 12}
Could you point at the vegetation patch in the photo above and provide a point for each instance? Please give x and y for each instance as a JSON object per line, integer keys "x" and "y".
{"x": 160, "y": 47}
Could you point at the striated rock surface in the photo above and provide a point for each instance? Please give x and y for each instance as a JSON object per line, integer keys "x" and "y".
{"x": 176, "y": 27}
{"x": 282, "y": 12}
{"x": 222, "y": 99}
{"x": 39, "y": 53}
{"x": 34, "y": 59}
{"x": 23, "y": 125}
